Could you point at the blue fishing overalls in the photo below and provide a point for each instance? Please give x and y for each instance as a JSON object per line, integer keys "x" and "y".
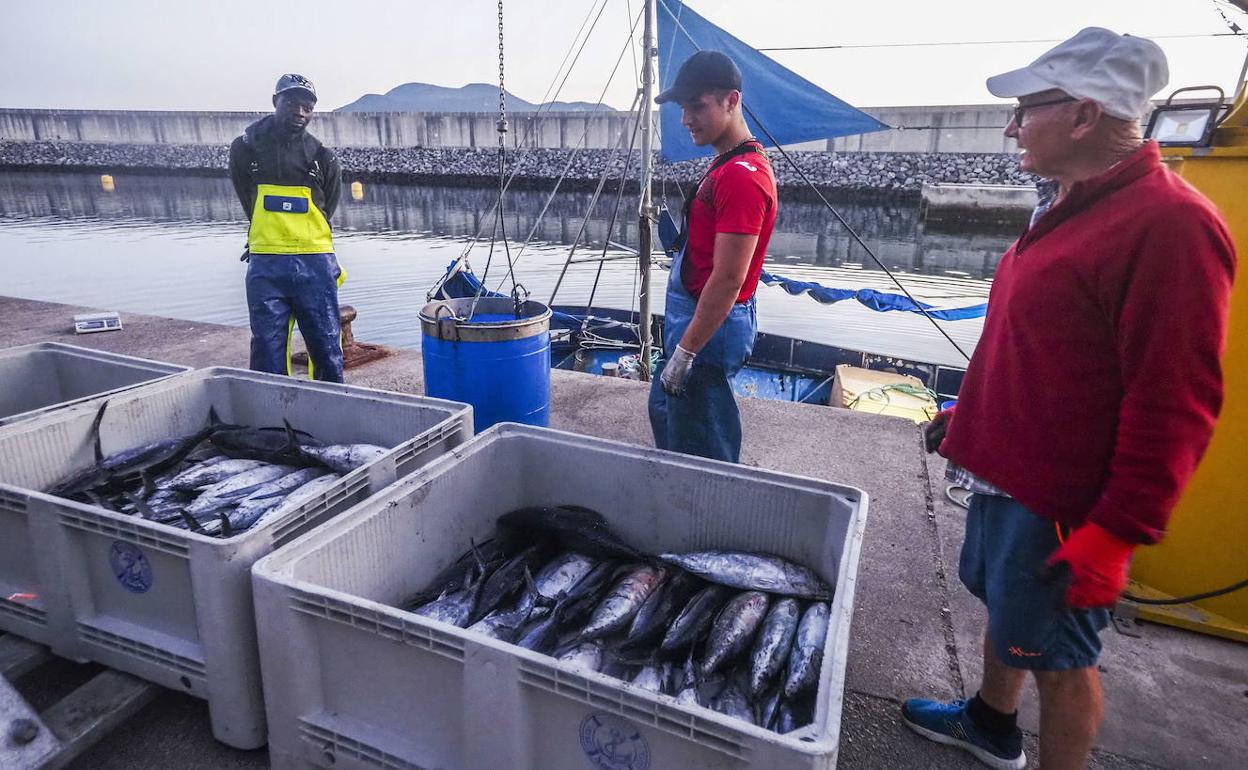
{"x": 704, "y": 421}
{"x": 293, "y": 277}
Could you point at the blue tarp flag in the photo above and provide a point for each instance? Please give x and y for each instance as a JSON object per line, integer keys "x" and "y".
{"x": 876, "y": 300}
{"x": 793, "y": 108}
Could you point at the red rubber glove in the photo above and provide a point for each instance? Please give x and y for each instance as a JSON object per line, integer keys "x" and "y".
{"x": 1098, "y": 563}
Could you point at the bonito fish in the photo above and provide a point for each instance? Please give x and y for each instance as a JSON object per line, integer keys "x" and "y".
{"x": 753, "y": 572}
{"x": 807, "y": 656}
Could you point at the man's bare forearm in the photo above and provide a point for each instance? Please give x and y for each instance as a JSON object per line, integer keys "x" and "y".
{"x": 733, "y": 252}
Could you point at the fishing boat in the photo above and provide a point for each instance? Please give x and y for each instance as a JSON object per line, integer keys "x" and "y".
{"x": 782, "y": 109}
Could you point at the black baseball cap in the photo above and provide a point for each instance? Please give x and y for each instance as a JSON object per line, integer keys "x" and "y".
{"x": 293, "y": 82}
{"x": 702, "y": 72}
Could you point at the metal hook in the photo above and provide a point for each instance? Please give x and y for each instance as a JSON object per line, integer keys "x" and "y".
{"x": 519, "y": 295}
{"x": 448, "y": 322}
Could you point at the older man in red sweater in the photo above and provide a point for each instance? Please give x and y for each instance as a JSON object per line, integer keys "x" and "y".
{"x": 1091, "y": 396}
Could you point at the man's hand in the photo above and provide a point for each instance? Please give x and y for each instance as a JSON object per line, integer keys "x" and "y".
{"x": 676, "y": 373}
{"x": 1098, "y": 563}
{"x": 934, "y": 431}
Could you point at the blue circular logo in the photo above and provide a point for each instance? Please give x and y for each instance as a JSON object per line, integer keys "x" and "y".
{"x": 130, "y": 567}
{"x": 613, "y": 745}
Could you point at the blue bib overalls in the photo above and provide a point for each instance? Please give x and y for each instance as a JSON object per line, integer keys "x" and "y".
{"x": 704, "y": 421}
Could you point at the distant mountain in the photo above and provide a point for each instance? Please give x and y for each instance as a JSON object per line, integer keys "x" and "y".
{"x": 474, "y": 97}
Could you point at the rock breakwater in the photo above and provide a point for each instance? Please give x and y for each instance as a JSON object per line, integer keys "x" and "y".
{"x": 887, "y": 173}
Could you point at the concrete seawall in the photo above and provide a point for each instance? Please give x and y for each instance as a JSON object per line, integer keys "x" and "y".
{"x": 947, "y": 129}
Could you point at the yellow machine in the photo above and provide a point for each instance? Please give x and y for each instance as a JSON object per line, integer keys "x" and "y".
{"x": 1207, "y": 544}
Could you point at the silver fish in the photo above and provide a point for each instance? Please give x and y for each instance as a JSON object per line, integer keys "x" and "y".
{"x": 653, "y": 676}
{"x": 786, "y": 719}
{"x": 687, "y": 688}
{"x": 269, "y": 496}
{"x": 454, "y": 608}
{"x": 807, "y": 656}
{"x": 694, "y": 620}
{"x": 767, "y": 708}
{"x": 211, "y": 472}
{"x": 733, "y": 629}
{"x": 343, "y": 458}
{"x": 284, "y": 485}
{"x": 504, "y": 625}
{"x": 771, "y": 649}
{"x": 622, "y": 603}
{"x": 562, "y": 573}
{"x": 586, "y": 655}
{"x": 753, "y": 572}
{"x": 732, "y": 702}
{"x": 225, "y": 493}
{"x": 304, "y": 493}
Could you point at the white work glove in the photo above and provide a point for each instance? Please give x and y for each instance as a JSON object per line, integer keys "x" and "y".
{"x": 676, "y": 373}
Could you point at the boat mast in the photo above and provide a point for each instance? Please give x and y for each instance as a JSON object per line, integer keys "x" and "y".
{"x": 646, "y": 210}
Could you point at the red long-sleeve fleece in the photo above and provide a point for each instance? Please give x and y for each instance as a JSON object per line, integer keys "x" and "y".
{"x": 1096, "y": 383}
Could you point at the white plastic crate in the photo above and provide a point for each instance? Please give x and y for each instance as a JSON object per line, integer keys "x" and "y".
{"x": 35, "y": 379}
{"x": 169, "y": 605}
{"x": 353, "y": 682}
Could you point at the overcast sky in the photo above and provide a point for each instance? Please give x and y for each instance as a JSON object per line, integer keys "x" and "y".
{"x": 226, "y": 54}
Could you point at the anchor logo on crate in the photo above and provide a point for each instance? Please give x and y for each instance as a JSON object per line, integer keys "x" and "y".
{"x": 613, "y": 745}
{"x": 130, "y": 567}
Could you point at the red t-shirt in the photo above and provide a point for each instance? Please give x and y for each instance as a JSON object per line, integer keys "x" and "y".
{"x": 1096, "y": 383}
{"x": 737, "y": 197}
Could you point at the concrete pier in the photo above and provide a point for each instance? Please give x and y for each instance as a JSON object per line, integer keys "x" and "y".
{"x": 1174, "y": 699}
{"x": 976, "y": 203}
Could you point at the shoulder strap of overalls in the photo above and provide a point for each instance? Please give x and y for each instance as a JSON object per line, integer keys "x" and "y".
{"x": 746, "y": 147}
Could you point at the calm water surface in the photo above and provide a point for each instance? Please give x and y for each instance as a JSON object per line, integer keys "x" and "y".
{"x": 169, "y": 245}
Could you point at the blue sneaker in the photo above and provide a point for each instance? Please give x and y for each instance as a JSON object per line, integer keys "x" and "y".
{"x": 950, "y": 724}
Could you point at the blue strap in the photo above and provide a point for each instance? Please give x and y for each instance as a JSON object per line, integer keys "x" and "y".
{"x": 878, "y": 301}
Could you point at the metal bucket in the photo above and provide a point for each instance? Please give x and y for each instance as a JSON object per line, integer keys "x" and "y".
{"x": 497, "y": 362}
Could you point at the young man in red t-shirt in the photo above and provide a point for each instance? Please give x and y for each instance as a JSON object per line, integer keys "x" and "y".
{"x": 710, "y": 321}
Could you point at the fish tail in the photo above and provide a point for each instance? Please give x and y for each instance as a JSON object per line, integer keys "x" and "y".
{"x": 191, "y": 522}
{"x": 95, "y": 433}
{"x": 141, "y": 505}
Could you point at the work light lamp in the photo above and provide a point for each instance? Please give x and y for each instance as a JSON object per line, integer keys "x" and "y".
{"x": 1189, "y": 124}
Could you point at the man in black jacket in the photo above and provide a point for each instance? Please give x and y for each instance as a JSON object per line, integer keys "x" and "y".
{"x": 289, "y": 184}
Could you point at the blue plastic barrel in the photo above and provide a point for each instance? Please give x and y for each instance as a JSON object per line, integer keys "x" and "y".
{"x": 948, "y": 404}
{"x": 495, "y": 361}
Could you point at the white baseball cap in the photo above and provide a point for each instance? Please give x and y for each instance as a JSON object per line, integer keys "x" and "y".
{"x": 1120, "y": 72}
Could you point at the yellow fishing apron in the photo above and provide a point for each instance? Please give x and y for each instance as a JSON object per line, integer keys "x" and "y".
{"x": 286, "y": 221}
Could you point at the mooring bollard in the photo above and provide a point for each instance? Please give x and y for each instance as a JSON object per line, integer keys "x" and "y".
{"x": 353, "y": 353}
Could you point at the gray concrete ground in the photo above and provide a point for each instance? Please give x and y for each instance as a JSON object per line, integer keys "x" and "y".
{"x": 1175, "y": 699}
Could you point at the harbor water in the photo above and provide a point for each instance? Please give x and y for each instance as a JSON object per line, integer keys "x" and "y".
{"x": 169, "y": 245}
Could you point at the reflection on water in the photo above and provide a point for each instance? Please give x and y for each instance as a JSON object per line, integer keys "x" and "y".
{"x": 167, "y": 245}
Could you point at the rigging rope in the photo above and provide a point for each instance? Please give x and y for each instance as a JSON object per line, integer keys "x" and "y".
{"x": 602, "y": 181}
{"x": 952, "y": 43}
{"x": 577, "y": 149}
{"x": 827, "y": 204}
{"x": 531, "y": 126}
{"x": 615, "y": 211}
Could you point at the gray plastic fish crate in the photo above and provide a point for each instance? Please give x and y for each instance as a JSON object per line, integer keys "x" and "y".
{"x": 168, "y": 605}
{"x": 36, "y": 379}
{"x": 353, "y": 682}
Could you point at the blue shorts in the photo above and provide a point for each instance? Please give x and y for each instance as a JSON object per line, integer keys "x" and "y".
{"x": 1003, "y": 563}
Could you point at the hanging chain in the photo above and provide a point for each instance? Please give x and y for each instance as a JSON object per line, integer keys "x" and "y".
{"x": 518, "y": 293}
{"x": 502, "y": 89}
